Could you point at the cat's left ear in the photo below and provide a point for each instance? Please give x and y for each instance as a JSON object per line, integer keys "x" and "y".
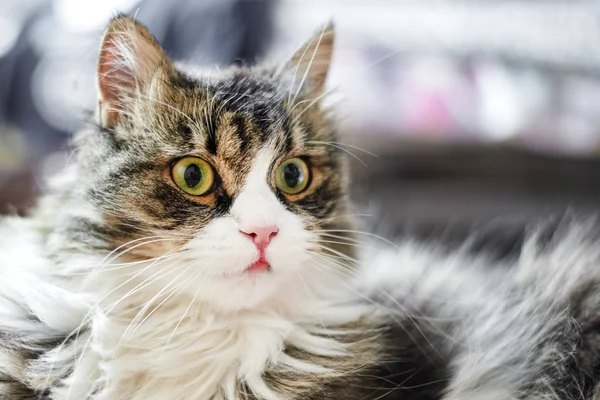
{"x": 309, "y": 66}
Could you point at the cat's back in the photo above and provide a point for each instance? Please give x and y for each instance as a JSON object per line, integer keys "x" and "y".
{"x": 519, "y": 328}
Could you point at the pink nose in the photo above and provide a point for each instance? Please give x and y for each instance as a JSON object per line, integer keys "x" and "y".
{"x": 261, "y": 235}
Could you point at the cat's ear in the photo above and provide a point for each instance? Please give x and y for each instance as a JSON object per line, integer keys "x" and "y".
{"x": 310, "y": 63}
{"x": 130, "y": 59}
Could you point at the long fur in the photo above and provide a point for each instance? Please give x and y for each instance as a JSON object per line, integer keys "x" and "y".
{"x": 121, "y": 286}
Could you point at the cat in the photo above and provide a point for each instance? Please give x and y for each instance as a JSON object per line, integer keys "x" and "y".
{"x": 201, "y": 246}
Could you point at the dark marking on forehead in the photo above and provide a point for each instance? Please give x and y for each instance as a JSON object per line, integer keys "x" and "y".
{"x": 258, "y": 100}
{"x": 211, "y": 142}
{"x": 255, "y": 100}
{"x": 185, "y": 131}
{"x": 240, "y": 127}
{"x": 288, "y": 143}
{"x": 211, "y": 130}
{"x": 264, "y": 125}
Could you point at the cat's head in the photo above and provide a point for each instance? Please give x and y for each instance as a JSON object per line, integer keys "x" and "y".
{"x": 229, "y": 181}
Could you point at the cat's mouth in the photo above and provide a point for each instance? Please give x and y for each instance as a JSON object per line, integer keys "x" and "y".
{"x": 261, "y": 265}
{"x": 258, "y": 267}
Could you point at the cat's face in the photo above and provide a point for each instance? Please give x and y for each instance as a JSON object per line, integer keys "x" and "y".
{"x": 228, "y": 182}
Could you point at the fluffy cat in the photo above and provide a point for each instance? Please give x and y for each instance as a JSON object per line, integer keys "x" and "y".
{"x": 200, "y": 247}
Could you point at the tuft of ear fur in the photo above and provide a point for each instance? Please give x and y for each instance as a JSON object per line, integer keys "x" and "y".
{"x": 130, "y": 59}
{"x": 310, "y": 63}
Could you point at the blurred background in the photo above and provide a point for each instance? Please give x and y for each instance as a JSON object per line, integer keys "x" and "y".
{"x": 462, "y": 113}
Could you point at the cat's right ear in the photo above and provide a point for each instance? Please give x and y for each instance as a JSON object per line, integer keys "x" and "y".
{"x": 130, "y": 60}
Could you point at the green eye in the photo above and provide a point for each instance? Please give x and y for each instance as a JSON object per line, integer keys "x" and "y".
{"x": 292, "y": 176}
{"x": 193, "y": 175}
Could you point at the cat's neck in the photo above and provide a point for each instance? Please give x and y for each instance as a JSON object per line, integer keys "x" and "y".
{"x": 217, "y": 353}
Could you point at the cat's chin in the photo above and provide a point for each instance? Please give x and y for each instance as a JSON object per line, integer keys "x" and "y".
{"x": 252, "y": 272}
{"x": 240, "y": 290}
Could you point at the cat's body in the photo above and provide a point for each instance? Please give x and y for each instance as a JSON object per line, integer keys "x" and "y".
{"x": 127, "y": 284}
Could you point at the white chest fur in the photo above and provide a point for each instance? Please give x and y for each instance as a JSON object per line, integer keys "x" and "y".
{"x": 177, "y": 351}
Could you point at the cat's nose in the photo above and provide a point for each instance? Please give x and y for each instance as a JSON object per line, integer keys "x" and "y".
{"x": 260, "y": 235}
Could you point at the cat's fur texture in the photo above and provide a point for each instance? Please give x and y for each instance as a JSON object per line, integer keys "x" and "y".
{"x": 121, "y": 286}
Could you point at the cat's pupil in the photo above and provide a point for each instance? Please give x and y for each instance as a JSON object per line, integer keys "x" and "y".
{"x": 292, "y": 175}
{"x": 192, "y": 175}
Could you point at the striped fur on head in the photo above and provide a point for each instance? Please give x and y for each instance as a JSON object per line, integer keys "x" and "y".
{"x": 154, "y": 113}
